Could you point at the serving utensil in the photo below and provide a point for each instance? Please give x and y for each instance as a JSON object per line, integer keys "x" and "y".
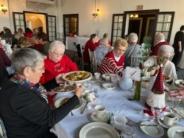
{"x": 83, "y": 109}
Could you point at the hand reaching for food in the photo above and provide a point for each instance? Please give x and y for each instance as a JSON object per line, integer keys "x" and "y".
{"x": 78, "y": 90}
{"x": 59, "y": 79}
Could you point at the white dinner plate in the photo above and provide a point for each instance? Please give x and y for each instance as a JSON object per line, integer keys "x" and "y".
{"x": 98, "y": 130}
{"x": 176, "y": 132}
{"x": 109, "y": 86}
{"x": 152, "y": 129}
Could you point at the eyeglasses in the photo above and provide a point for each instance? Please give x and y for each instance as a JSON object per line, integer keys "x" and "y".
{"x": 57, "y": 53}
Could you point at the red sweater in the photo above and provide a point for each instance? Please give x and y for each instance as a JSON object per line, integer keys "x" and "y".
{"x": 89, "y": 45}
{"x": 53, "y": 69}
{"x": 154, "y": 49}
{"x": 110, "y": 65}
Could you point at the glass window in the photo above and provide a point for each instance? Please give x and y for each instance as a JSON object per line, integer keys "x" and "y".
{"x": 117, "y": 23}
{"x": 164, "y": 23}
{"x": 119, "y": 33}
{"x": 166, "y": 26}
{"x": 115, "y": 26}
{"x": 167, "y": 18}
{"x": 159, "y": 27}
{"x": 120, "y": 26}
{"x": 120, "y": 18}
{"x": 160, "y": 18}
{"x": 116, "y": 19}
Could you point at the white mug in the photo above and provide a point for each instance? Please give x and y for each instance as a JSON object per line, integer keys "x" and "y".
{"x": 100, "y": 112}
{"x": 170, "y": 119}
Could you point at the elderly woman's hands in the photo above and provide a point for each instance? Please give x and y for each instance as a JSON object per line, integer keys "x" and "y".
{"x": 59, "y": 79}
{"x": 78, "y": 90}
{"x": 177, "y": 93}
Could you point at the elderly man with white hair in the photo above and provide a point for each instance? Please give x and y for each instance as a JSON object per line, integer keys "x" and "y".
{"x": 165, "y": 53}
{"x": 133, "y": 52}
{"x": 56, "y": 63}
{"x": 158, "y": 42}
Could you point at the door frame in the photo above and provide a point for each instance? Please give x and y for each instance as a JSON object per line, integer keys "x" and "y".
{"x": 142, "y": 12}
{"x": 64, "y": 26}
{"x": 31, "y": 12}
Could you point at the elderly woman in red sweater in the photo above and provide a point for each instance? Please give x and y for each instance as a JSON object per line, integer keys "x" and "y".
{"x": 114, "y": 60}
{"x": 56, "y": 63}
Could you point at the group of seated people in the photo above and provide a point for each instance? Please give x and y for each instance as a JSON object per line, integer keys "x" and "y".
{"x": 24, "y": 106}
{"x": 35, "y": 38}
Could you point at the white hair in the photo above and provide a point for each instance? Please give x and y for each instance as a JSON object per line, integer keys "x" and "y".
{"x": 25, "y": 57}
{"x": 132, "y": 37}
{"x": 55, "y": 44}
{"x": 159, "y": 36}
{"x": 166, "y": 49}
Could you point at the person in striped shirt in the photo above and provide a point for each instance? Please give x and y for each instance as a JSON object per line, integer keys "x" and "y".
{"x": 115, "y": 59}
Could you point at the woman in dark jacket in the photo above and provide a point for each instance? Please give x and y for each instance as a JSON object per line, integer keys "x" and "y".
{"x": 23, "y": 108}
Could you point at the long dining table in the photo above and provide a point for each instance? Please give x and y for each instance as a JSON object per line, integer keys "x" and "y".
{"x": 116, "y": 101}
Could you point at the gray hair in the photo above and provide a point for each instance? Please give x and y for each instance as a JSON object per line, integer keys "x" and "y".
{"x": 159, "y": 36}
{"x": 132, "y": 37}
{"x": 167, "y": 49}
{"x": 56, "y": 44}
{"x": 25, "y": 57}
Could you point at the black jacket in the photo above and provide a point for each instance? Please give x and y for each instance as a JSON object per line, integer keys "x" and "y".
{"x": 26, "y": 114}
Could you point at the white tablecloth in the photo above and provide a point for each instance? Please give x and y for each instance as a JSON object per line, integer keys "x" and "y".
{"x": 115, "y": 101}
{"x": 78, "y": 40}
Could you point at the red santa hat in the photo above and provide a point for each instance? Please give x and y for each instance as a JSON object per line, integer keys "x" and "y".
{"x": 158, "y": 87}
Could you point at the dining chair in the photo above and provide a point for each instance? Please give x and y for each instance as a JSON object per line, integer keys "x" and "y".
{"x": 80, "y": 55}
{"x": 2, "y": 129}
{"x": 93, "y": 63}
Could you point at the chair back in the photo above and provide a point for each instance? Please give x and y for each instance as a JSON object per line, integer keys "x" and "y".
{"x": 79, "y": 50}
{"x": 2, "y": 129}
{"x": 135, "y": 61}
{"x": 92, "y": 58}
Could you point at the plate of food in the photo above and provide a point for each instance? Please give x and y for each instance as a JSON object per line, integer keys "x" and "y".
{"x": 77, "y": 76}
{"x": 65, "y": 88}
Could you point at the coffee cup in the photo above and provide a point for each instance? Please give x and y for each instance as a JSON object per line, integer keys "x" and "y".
{"x": 170, "y": 119}
{"x": 101, "y": 113}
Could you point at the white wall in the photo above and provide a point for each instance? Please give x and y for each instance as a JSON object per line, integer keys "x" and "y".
{"x": 109, "y": 7}
{"x": 20, "y": 6}
{"x": 84, "y": 8}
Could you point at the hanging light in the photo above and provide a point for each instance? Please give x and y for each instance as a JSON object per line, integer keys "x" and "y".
{"x": 3, "y": 8}
{"x": 96, "y": 12}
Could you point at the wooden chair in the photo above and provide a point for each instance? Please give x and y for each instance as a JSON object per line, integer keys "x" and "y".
{"x": 93, "y": 64}
{"x": 80, "y": 55}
